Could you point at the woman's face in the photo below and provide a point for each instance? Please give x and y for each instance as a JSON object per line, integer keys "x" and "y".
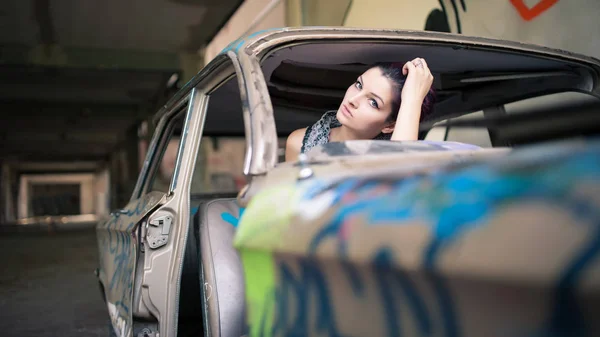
{"x": 367, "y": 104}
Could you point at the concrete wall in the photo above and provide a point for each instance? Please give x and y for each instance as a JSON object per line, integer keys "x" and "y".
{"x": 568, "y": 25}
{"x": 323, "y": 13}
{"x": 389, "y": 13}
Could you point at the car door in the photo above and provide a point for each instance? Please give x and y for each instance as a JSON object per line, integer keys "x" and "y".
{"x": 157, "y": 286}
{"x": 118, "y": 246}
{"x": 139, "y": 235}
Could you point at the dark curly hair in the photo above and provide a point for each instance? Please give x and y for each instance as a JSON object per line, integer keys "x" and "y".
{"x": 393, "y": 71}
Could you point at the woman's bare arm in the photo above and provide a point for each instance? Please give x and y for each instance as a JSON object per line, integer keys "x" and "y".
{"x": 418, "y": 83}
{"x": 407, "y": 123}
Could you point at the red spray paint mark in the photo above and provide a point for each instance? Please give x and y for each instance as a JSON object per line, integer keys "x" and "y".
{"x": 529, "y": 14}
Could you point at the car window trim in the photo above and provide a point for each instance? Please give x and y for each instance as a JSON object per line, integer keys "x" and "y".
{"x": 158, "y": 144}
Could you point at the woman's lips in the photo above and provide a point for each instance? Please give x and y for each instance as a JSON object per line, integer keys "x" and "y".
{"x": 346, "y": 111}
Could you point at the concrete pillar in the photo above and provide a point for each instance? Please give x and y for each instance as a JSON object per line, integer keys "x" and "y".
{"x": 48, "y": 55}
{"x": 251, "y": 16}
{"x": 7, "y": 193}
{"x": 101, "y": 192}
{"x": 131, "y": 159}
{"x": 123, "y": 169}
{"x": 114, "y": 173}
{"x": 190, "y": 65}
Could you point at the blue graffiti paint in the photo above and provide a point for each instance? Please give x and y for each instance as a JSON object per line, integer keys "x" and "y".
{"x": 112, "y": 249}
{"x": 384, "y": 271}
{"x": 567, "y": 317}
{"x": 467, "y": 212}
{"x": 139, "y": 208}
{"x": 122, "y": 276}
{"x": 356, "y": 283}
{"x": 116, "y": 247}
{"x": 119, "y": 304}
{"x": 341, "y": 189}
{"x": 332, "y": 230}
{"x": 236, "y": 44}
{"x": 309, "y": 285}
{"x": 456, "y": 202}
{"x": 444, "y": 299}
{"x": 228, "y": 217}
{"x": 336, "y": 223}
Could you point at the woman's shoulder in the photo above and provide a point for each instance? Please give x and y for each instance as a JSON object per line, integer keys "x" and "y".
{"x": 293, "y": 144}
{"x": 302, "y": 140}
{"x": 297, "y": 135}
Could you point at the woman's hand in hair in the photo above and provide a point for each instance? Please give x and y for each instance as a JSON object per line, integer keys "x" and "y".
{"x": 418, "y": 81}
{"x": 417, "y": 86}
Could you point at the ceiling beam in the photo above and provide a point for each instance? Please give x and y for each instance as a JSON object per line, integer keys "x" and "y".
{"x": 89, "y": 58}
{"x": 60, "y": 123}
{"x": 78, "y": 86}
{"x": 48, "y": 135}
{"x": 56, "y": 145}
{"x": 63, "y": 153}
{"x": 34, "y": 108}
{"x": 53, "y": 157}
{"x": 56, "y": 166}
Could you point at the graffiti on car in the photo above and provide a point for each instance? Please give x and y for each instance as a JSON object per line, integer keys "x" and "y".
{"x": 118, "y": 246}
{"x": 352, "y": 260}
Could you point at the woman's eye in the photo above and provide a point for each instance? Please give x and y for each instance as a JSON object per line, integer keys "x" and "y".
{"x": 373, "y": 103}
{"x": 358, "y": 85}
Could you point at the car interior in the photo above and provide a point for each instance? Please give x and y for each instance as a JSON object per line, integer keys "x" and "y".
{"x": 305, "y": 80}
{"x": 489, "y": 98}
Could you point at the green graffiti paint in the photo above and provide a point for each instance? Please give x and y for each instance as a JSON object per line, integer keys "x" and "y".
{"x": 259, "y": 272}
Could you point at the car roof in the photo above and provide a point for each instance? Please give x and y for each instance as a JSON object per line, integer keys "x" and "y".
{"x": 262, "y": 41}
{"x": 461, "y": 65}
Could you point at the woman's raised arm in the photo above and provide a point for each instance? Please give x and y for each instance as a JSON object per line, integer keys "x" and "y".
{"x": 417, "y": 85}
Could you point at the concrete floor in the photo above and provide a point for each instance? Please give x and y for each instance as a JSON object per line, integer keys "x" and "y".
{"x": 48, "y": 287}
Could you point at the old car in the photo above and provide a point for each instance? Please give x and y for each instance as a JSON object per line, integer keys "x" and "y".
{"x": 488, "y": 225}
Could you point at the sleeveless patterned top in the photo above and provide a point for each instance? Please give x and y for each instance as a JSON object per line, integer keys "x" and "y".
{"x": 318, "y": 133}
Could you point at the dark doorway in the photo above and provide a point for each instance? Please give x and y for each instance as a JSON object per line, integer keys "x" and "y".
{"x": 55, "y": 199}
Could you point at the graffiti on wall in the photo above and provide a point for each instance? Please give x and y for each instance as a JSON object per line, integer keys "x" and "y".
{"x": 566, "y": 25}
{"x": 530, "y": 13}
{"x": 438, "y": 19}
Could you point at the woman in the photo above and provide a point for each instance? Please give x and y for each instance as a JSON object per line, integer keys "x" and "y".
{"x": 372, "y": 108}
